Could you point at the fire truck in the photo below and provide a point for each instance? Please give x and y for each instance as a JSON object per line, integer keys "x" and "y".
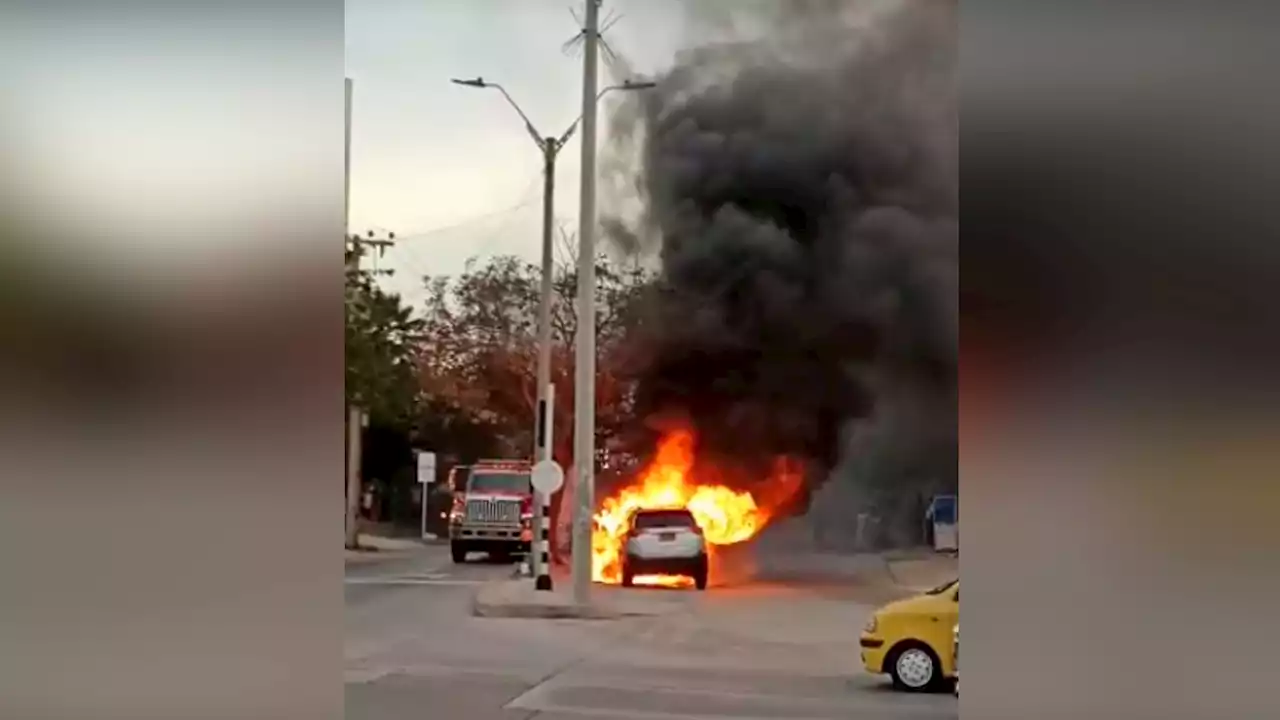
{"x": 492, "y": 509}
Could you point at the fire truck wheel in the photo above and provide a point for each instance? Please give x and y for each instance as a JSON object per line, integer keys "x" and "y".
{"x": 459, "y": 552}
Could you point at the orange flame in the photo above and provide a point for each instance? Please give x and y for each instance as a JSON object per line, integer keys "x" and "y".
{"x": 726, "y": 516}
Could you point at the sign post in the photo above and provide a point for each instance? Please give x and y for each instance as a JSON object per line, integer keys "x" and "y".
{"x": 426, "y": 478}
{"x": 945, "y": 518}
{"x": 547, "y": 478}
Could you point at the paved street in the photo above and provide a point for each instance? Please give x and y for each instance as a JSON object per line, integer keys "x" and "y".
{"x": 755, "y": 649}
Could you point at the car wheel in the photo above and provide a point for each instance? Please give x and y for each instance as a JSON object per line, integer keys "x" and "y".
{"x": 914, "y": 668}
{"x": 700, "y": 579}
{"x": 628, "y": 578}
{"x": 459, "y": 552}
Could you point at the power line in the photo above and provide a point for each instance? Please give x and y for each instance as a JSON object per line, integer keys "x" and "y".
{"x": 418, "y": 266}
{"x": 526, "y": 197}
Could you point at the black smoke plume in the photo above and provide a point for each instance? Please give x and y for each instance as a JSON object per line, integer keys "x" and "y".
{"x": 799, "y": 189}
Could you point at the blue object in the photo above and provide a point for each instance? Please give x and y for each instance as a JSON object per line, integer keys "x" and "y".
{"x": 945, "y": 509}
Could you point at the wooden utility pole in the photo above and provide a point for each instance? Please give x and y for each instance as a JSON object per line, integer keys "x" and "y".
{"x": 357, "y": 418}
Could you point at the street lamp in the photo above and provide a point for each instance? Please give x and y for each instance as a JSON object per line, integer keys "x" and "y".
{"x": 550, "y": 147}
{"x": 626, "y": 85}
{"x": 480, "y": 83}
{"x": 538, "y": 139}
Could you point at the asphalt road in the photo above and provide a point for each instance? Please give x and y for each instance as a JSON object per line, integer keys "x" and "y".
{"x": 782, "y": 650}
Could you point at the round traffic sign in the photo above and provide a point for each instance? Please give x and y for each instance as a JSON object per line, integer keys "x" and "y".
{"x": 548, "y": 476}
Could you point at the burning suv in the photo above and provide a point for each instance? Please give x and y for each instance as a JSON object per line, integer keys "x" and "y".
{"x": 666, "y": 542}
{"x": 492, "y": 509}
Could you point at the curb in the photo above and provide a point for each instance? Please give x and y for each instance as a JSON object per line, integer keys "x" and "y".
{"x": 898, "y": 582}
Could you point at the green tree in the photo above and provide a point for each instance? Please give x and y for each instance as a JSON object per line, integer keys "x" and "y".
{"x": 381, "y": 349}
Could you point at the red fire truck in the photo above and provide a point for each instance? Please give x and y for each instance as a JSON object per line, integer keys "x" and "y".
{"x": 492, "y": 509}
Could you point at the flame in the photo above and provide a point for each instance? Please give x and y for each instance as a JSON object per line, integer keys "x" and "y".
{"x": 725, "y": 515}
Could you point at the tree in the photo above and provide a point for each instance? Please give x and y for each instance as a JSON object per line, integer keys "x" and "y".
{"x": 621, "y": 296}
{"x": 381, "y": 349}
{"x": 480, "y": 347}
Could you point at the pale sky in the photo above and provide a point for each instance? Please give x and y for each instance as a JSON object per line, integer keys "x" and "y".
{"x": 451, "y": 169}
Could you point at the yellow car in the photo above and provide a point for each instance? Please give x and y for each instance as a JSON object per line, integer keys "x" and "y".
{"x": 912, "y": 640}
{"x": 955, "y": 658}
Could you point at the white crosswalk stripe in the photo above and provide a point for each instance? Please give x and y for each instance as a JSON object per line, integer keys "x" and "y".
{"x": 432, "y": 579}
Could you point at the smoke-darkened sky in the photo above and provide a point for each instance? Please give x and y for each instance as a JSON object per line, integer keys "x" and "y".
{"x": 799, "y": 189}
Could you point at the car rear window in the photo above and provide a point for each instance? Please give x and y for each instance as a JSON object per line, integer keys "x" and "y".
{"x": 664, "y": 518}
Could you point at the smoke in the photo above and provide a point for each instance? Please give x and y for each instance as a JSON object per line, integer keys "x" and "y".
{"x": 798, "y": 189}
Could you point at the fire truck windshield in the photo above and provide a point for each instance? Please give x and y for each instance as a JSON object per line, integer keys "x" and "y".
{"x": 504, "y": 482}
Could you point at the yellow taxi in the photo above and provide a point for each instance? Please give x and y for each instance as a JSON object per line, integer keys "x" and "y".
{"x": 912, "y": 640}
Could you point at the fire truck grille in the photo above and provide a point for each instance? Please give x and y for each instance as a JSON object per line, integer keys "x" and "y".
{"x": 493, "y": 511}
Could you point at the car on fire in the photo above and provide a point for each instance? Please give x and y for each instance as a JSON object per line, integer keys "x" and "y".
{"x": 913, "y": 641}
{"x": 665, "y": 542}
{"x": 492, "y": 509}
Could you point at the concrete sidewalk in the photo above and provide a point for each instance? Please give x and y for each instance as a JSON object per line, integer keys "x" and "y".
{"x": 375, "y": 548}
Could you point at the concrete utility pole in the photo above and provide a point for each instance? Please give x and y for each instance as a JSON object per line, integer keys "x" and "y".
{"x": 353, "y": 413}
{"x": 550, "y": 147}
{"x": 346, "y": 198}
{"x": 542, "y": 549}
{"x": 358, "y": 419}
{"x": 584, "y": 401}
{"x": 550, "y": 150}
{"x": 355, "y": 423}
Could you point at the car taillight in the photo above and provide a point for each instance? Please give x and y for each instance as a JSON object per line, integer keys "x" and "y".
{"x": 697, "y": 530}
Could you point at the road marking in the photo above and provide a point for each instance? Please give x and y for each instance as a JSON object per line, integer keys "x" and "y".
{"x": 618, "y": 696}
{"x": 776, "y": 707}
{"x": 363, "y": 676}
{"x": 594, "y": 713}
{"x": 439, "y": 580}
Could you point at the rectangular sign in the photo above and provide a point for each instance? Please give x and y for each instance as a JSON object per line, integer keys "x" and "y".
{"x": 426, "y": 467}
{"x": 945, "y": 509}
